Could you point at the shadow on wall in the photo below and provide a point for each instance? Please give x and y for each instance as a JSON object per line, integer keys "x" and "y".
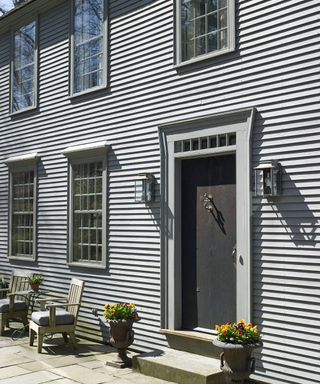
{"x": 285, "y": 250}
{"x": 288, "y": 217}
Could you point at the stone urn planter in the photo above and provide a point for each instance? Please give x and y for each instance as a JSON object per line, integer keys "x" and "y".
{"x": 120, "y": 318}
{"x": 122, "y": 336}
{"x": 236, "y": 360}
{"x": 237, "y": 341}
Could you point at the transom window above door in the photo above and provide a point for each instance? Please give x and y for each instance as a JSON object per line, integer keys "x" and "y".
{"x": 204, "y": 28}
{"x": 88, "y": 40}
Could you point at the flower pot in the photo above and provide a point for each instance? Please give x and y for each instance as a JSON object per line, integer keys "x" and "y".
{"x": 35, "y": 287}
{"x": 236, "y": 360}
{"x": 122, "y": 336}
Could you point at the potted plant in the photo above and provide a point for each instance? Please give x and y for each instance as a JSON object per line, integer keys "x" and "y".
{"x": 237, "y": 340}
{"x": 35, "y": 281}
{"x": 121, "y": 317}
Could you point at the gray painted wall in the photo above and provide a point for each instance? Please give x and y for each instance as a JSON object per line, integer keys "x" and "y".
{"x": 275, "y": 68}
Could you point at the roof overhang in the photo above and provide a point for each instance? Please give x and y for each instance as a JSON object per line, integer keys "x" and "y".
{"x": 26, "y": 9}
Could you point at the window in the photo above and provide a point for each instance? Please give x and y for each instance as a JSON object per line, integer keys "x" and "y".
{"x": 204, "y": 28}
{"x": 87, "y": 211}
{"x": 88, "y": 46}
{"x": 87, "y": 205}
{"x": 22, "y": 206}
{"x": 23, "y": 73}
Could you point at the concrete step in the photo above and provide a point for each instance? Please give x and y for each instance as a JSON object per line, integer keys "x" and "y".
{"x": 179, "y": 367}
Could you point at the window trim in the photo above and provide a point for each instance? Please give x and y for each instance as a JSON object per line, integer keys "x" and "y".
{"x": 22, "y": 164}
{"x": 105, "y": 49}
{"x": 178, "y": 46}
{"x": 36, "y": 67}
{"x": 85, "y": 154}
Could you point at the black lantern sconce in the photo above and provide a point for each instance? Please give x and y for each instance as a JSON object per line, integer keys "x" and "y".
{"x": 268, "y": 179}
{"x": 144, "y": 188}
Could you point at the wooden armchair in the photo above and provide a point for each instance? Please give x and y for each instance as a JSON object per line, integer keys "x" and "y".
{"x": 59, "y": 317}
{"x": 13, "y": 306}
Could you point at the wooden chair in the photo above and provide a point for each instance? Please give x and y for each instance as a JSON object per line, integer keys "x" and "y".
{"x": 56, "y": 319}
{"x": 13, "y": 306}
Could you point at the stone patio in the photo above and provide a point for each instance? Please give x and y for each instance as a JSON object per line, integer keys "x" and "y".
{"x": 60, "y": 364}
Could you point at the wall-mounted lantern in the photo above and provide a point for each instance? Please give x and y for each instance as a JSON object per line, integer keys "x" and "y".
{"x": 144, "y": 188}
{"x": 268, "y": 179}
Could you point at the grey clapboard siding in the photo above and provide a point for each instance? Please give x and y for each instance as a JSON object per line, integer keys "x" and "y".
{"x": 276, "y": 69}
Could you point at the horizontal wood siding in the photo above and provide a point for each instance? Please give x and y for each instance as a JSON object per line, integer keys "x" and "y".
{"x": 276, "y": 69}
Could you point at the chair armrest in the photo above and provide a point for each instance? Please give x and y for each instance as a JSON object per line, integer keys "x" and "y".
{"x": 58, "y": 305}
{"x": 52, "y": 311}
{"x": 44, "y": 300}
{"x": 4, "y": 289}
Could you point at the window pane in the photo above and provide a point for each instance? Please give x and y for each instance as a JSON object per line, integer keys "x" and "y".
{"x": 212, "y": 5}
{"x": 23, "y": 76}
{"x": 87, "y": 205}
{"x": 88, "y": 39}
{"x": 204, "y": 27}
{"x": 22, "y": 215}
{"x": 200, "y": 26}
{"x": 212, "y": 22}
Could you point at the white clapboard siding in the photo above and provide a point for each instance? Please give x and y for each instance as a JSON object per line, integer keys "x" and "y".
{"x": 275, "y": 68}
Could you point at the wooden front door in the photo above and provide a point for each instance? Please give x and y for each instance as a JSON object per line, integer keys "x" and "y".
{"x": 208, "y": 239}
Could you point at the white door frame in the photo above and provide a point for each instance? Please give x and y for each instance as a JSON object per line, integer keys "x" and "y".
{"x": 239, "y": 122}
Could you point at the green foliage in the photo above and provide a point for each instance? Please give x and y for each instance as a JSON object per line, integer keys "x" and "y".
{"x": 35, "y": 279}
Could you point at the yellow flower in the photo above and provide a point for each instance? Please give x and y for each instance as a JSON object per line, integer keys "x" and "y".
{"x": 217, "y": 328}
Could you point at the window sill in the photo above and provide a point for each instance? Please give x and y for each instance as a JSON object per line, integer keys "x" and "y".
{"x": 22, "y": 111}
{"x": 22, "y": 258}
{"x": 203, "y": 58}
{"x": 86, "y": 265}
{"x": 87, "y": 92}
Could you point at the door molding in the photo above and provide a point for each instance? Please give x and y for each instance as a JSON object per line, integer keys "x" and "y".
{"x": 239, "y": 122}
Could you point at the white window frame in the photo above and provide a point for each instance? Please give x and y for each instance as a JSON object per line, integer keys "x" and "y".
{"x": 36, "y": 67}
{"x": 86, "y": 154}
{"x": 23, "y": 163}
{"x": 104, "y": 54}
{"x": 178, "y": 35}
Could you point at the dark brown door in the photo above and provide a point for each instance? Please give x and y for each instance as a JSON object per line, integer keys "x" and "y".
{"x": 208, "y": 206}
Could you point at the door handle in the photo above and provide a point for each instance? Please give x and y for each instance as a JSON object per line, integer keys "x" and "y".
{"x": 234, "y": 255}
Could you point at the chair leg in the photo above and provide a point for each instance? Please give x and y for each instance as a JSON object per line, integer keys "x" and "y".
{"x": 73, "y": 339}
{"x": 31, "y": 336}
{"x": 40, "y": 341}
{"x": 65, "y": 337}
{"x": 1, "y": 326}
{"x": 25, "y": 320}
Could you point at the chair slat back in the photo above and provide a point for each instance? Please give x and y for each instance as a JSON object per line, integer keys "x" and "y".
{"x": 18, "y": 281}
{"x": 75, "y": 295}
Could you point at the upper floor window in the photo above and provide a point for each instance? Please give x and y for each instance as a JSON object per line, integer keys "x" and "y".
{"x": 204, "y": 28}
{"x": 88, "y": 45}
{"x": 23, "y": 74}
{"x": 22, "y": 207}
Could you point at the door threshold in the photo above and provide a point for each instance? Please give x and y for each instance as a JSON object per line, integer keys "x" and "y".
{"x": 190, "y": 334}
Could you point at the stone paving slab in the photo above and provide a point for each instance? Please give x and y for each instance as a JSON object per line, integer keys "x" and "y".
{"x": 7, "y": 372}
{"x": 62, "y": 381}
{"x": 31, "y": 378}
{"x": 60, "y": 364}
